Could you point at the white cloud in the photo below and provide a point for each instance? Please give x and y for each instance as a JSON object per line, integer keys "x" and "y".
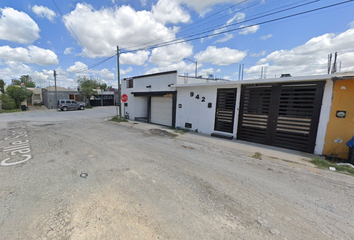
{"x": 49, "y": 42}
{"x": 143, "y": 2}
{"x": 165, "y": 56}
{"x": 309, "y": 58}
{"x": 124, "y": 72}
{"x": 34, "y": 54}
{"x": 114, "y": 25}
{"x": 44, "y": 12}
{"x": 42, "y": 56}
{"x": 218, "y": 70}
{"x": 200, "y": 6}
{"x": 15, "y": 54}
{"x": 17, "y": 26}
{"x": 13, "y": 69}
{"x": 78, "y": 66}
{"x": 43, "y": 76}
{"x": 238, "y": 17}
{"x": 226, "y": 38}
{"x": 249, "y": 30}
{"x": 166, "y": 11}
{"x": 67, "y": 51}
{"x": 220, "y": 56}
{"x": 104, "y": 73}
{"x": 206, "y": 72}
{"x": 259, "y": 54}
{"x": 138, "y": 58}
{"x": 181, "y": 67}
{"x": 265, "y": 37}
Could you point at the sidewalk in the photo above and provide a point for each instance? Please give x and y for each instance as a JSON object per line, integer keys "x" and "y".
{"x": 37, "y": 108}
{"x": 248, "y": 148}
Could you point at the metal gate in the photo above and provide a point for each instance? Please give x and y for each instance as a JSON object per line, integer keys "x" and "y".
{"x": 284, "y": 115}
{"x": 225, "y": 110}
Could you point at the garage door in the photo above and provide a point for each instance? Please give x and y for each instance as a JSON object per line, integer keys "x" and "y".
{"x": 283, "y": 115}
{"x": 161, "y": 110}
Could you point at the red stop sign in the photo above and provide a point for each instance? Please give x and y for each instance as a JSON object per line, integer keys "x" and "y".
{"x": 124, "y": 98}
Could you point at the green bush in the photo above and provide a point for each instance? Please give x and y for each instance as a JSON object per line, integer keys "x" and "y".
{"x": 19, "y": 94}
{"x": 7, "y": 102}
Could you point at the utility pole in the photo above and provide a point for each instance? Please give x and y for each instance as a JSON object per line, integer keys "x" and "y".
{"x": 119, "y": 93}
{"x": 196, "y": 66}
{"x": 55, "y": 83}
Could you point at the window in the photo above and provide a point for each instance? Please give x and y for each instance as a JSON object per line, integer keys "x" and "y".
{"x": 68, "y": 101}
{"x": 130, "y": 83}
{"x": 36, "y": 97}
{"x": 71, "y": 96}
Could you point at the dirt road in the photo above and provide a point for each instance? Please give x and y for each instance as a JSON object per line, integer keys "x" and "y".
{"x": 139, "y": 184}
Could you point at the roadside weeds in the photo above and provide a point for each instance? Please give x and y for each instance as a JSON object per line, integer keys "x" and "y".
{"x": 325, "y": 164}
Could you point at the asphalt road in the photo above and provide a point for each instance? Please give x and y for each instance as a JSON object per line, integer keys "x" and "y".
{"x": 76, "y": 175}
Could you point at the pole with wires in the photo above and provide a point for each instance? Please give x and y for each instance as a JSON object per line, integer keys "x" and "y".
{"x": 119, "y": 93}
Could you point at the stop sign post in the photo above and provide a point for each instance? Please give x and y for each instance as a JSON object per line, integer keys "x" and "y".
{"x": 124, "y": 99}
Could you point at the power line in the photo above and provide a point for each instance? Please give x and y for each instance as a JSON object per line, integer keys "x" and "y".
{"x": 239, "y": 28}
{"x": 72, "y": 31}
{"x": 214, "y": 34}
{"x": 248, "y": 20}
{"x": 193, "y": 26}
{"x": 178, "y": 21}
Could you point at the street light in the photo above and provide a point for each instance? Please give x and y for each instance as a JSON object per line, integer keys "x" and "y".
{"x": 196, "y": 65}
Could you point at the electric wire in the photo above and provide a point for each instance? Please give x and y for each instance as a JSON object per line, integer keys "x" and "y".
{"x": 193, "y": 38}
{"x": 193, "y": 26}
{"x": 72, "y": 31}
{"x": 186, "y": 28}
{"x": 140, "y": 42}
{"x": 225, "y": 27}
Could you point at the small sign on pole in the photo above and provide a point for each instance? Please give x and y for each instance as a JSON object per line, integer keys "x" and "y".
{"x": 124, "y": 98}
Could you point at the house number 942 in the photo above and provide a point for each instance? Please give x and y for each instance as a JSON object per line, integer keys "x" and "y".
{"x": 197, "y": 96}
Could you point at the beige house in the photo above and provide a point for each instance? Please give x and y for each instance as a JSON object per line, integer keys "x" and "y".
{"x": 36, "y": 98}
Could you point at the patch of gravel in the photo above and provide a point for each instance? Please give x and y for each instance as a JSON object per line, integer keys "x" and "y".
{"x": 158, "y": 132}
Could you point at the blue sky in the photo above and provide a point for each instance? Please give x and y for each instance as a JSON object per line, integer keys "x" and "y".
{"x": 36, "y": 39}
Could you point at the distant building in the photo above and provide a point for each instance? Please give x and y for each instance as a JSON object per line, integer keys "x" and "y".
{"x": 48, "y": 96}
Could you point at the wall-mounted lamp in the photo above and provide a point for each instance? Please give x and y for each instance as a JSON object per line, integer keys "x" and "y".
{"x": 149, "y": 86}
{"x": 341, "y": 114}
{"x": 169, "y": 85}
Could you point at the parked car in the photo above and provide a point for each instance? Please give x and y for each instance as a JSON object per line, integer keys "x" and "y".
{"x": 67, "y": 104}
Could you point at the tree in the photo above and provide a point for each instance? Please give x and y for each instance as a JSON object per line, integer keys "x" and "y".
{"x": 102, "y": 86}
{"x": 7, "y": 102}
{"x": 2, "y": 86}
{"x": 87, "y": 85}
{"x": 26, "y": 80}
{"x": 18, "y": 94}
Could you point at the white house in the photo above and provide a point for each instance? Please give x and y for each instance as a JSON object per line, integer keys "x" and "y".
{"x": 289, "y": 112}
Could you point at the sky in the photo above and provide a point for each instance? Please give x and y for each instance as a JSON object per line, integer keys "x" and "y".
{"x": 80, "y": 38}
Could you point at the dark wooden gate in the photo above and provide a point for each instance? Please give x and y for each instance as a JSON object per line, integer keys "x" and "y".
{"x": 225, "y": 110}
{"x": 284, "y": 115}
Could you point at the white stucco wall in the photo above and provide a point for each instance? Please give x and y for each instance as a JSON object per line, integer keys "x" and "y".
{"x": 324, "y": 117}
{"x": 195, "y": 111}
{"x": 137, "y": 106}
